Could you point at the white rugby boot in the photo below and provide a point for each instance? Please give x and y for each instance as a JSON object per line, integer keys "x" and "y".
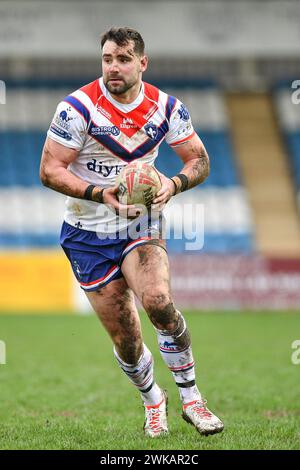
{"x": 197, "y": 414}
{"x": 156, "y": 418}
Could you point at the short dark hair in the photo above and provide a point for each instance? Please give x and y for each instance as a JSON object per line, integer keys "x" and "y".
{"x": 121, "y": 36}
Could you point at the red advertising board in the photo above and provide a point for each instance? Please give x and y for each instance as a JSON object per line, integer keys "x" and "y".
{"x": 235, "y": 282}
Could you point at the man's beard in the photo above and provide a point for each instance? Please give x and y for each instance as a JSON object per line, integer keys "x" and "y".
{"x": 118, "y": 89}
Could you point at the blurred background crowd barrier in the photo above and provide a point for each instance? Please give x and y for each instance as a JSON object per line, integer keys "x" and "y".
{"x": 236, "y": 66}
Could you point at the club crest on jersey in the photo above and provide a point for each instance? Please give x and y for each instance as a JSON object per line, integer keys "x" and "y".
{"x": 151, "y": 130}
{"x": 105, "y": 130}
{"x": 62, "y": 120}
{"x": 183, "y": 113}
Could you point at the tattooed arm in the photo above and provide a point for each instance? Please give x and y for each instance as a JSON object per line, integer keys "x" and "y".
{"x": 196, "y": 169}
{"x": 196, "y": 161}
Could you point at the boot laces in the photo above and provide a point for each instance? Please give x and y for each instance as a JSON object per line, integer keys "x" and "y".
{"x": 200, "y": 408}
{"x": 154, "y": 418}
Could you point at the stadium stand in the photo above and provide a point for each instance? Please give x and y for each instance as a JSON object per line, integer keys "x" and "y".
{"x": 264, "y": 165}
{"x": 32, "y": 214}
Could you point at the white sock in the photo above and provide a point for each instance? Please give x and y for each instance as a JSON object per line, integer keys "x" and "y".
{"x": 176, "y": 352}
{"x": 189, "y": 394}
{"x": 141, "y": 375}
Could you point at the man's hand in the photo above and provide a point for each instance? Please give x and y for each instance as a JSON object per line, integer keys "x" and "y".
{"x": 165, "y": 193}
{"x": 127, "y": 211}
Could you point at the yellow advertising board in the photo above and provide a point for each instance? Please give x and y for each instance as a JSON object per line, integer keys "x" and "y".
{"x": 35, "y": 282}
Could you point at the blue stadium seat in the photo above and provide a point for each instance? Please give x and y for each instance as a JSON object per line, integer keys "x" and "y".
{"x": 20, "y": 161}
{"x": 292, "y": 140}
{"x": 26, "y": 240}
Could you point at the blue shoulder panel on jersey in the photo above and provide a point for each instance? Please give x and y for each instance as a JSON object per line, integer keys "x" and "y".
{"x": 79, "y": 107}
{"x": 170, "y": 106}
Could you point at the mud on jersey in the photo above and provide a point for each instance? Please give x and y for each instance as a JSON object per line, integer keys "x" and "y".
{"x": 108, "y": 135}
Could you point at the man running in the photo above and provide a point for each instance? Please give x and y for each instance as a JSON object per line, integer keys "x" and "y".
{"x": 96, "y": 131}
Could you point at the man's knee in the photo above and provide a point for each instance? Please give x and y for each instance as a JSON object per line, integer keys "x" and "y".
{"x": 178, "y": 331}
{"x": 161, "y": 309}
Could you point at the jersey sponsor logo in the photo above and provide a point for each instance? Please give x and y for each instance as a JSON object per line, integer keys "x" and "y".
{"x": 61, "y": 133}
{"x": 151, "y": 111}
{"x": 104, "y": 170}
{"x": 183, "y": 113}
{"x": 182, "y": 132}
{"x": 128, "y": 124}
{"x": 103, "y": 111}
{"x": 151, "y": 130}
{"x": 105, "y": 130}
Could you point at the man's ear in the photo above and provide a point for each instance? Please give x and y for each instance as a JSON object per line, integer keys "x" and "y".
{"x": 144, "y": 63}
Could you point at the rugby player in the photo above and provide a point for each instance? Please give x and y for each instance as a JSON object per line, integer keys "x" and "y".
{"x": 95, "y": 132}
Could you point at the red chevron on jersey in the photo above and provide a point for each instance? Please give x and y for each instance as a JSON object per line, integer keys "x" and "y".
{"x": 92, "y": 90}
{"x": 130, "y": 123}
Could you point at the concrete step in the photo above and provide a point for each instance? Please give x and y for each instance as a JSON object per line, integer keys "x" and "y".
{"x": 265, "y": 172}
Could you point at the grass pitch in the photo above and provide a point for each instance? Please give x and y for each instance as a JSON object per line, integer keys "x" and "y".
{"x": 62, "y": 389}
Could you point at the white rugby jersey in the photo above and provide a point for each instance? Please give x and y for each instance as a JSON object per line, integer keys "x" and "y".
{"x": 108, "y": 136}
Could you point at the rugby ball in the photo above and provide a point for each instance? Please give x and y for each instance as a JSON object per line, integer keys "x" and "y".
{"x": 138, "y": 183}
